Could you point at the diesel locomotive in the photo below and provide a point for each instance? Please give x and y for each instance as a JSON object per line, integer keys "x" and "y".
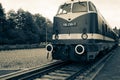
{"x": 80, "y": 32}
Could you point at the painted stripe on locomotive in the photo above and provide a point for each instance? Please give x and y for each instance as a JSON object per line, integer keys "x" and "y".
{"x": 78, "y": 36}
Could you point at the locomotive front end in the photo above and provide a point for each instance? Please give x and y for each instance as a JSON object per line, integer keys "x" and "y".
{"x": 69, "y": 30}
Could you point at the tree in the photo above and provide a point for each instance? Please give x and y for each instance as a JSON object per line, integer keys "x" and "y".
{"x": 30, "y": 28}
{"x": 22, "y": 27}
{"x": 117, "y": 31}
{"x": 2, "y": 17}
{"x": 26, "y": 23}
{"x": 2, "y": 25}
{"x": 12, "y": 19}
{"x": 40, "y": 22}
{"x": 43, "y": 24}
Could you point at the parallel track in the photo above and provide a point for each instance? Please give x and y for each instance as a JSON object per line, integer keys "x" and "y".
{"x": 91, "y": 72}
{"x": 63, "y": 71}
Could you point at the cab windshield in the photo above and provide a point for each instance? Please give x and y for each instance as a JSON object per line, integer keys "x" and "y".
{"x": 64, "y": 9}
{"x": 79, "y": 7}
{"x": 75, "y": 7}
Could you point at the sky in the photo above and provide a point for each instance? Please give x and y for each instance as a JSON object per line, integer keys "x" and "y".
{"x": 110, "y": 9}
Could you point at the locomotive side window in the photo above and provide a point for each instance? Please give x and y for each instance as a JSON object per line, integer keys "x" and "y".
{"x": 105, "y": 27}
{"x": 64, "y": 9}
{"x": 79, "y": 7}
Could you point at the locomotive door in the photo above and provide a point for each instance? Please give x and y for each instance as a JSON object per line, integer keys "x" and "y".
{"x": 103, "y": 30}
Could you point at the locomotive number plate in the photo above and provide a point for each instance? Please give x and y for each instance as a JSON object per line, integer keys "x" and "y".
{"x": 71, "y": 24}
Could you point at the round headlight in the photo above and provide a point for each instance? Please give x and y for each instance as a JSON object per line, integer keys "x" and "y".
{"x": 79, "y": 49}
{"x": 84, "y": 36}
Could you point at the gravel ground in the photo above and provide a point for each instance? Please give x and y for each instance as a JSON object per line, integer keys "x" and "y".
{"x": 111, "y": 70}
{"x": 22, "y": 59}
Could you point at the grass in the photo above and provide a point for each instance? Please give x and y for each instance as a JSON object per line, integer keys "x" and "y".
{"x": 21, "y": 59}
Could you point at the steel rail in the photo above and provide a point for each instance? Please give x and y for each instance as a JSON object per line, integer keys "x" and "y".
{"x": 21, "y": 75}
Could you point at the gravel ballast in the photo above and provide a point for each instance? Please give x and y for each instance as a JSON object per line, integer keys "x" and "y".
{"x": 111, "y": 70}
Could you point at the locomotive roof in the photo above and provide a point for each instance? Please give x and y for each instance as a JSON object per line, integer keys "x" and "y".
{"x": 72, "y": 1}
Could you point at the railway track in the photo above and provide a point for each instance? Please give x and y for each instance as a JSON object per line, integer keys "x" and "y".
{"x": 31, "y": 73}
{"x": 62, "y": 71}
